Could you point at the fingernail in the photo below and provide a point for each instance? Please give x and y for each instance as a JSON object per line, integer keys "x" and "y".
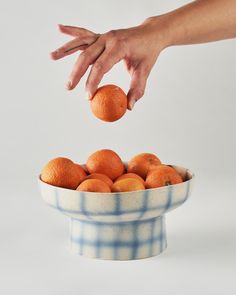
{"x": 89, "y": 95}
{"x": 132, "y": 103}
{"x": 53, "y": 54}
{"x": 69, "y": 85}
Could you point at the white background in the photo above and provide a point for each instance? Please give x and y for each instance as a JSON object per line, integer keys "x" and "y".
{"x": 187, "y": 117}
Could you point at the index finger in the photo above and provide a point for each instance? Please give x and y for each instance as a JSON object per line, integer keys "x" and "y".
{"x": 73, "y": 46}
{"x": 75, "y": 31}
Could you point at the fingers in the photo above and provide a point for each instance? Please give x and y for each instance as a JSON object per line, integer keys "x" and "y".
{"x": 138, "y": 84}
{"x": 85, "y": 59}
{"x": 84, "y": 38}
{"x": 75, "y": 31}
{"x": 73, "y": 46}
{"x": 101, "y": 66}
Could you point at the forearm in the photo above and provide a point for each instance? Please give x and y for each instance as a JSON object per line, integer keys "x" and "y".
{"x": 198, "y": 22}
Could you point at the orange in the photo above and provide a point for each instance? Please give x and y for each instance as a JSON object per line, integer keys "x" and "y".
{"x": 94, "y": 185}
{"x": 143, "y": 163}
{"x": 63, "y": 172}
{"x": 130, "y": 175}
{"x": 162, "y": 175}
{"x": 106, "y": 162}
{"x": 109, "y": 103}
{"x": 128, "y": 185}
{"x": 102, "y": 177}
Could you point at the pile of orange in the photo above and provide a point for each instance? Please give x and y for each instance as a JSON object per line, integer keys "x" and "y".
{"x": 105, "y": 172}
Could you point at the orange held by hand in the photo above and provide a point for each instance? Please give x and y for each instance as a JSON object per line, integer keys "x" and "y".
{"x": 109, "y": 103}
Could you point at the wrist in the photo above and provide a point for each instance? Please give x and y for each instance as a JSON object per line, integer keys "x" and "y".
{"x": 159, "y": 26}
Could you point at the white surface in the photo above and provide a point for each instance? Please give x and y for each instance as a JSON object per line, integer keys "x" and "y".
{"x": 187, "y": 117}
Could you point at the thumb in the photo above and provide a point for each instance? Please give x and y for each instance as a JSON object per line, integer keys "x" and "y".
{"x": 137, "y": 85}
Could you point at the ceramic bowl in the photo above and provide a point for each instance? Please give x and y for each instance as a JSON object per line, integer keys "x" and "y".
{"x": 118, "y": 226}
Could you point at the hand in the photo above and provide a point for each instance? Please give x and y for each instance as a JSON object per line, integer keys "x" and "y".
{"x": 139, "y": 47}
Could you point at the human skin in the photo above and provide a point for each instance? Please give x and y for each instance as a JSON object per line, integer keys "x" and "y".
{"x": 198, "y": 22}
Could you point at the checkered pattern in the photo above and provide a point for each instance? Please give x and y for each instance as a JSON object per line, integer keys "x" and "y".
{"x": 118, "y": 241}
{"x": 115, "y": 207}
{"x": 118, "y": 225}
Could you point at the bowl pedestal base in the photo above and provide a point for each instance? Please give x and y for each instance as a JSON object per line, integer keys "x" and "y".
{"x": 119, "y": 240}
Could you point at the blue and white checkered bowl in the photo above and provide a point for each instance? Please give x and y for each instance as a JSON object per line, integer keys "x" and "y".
{"x": 118, "y": 226}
